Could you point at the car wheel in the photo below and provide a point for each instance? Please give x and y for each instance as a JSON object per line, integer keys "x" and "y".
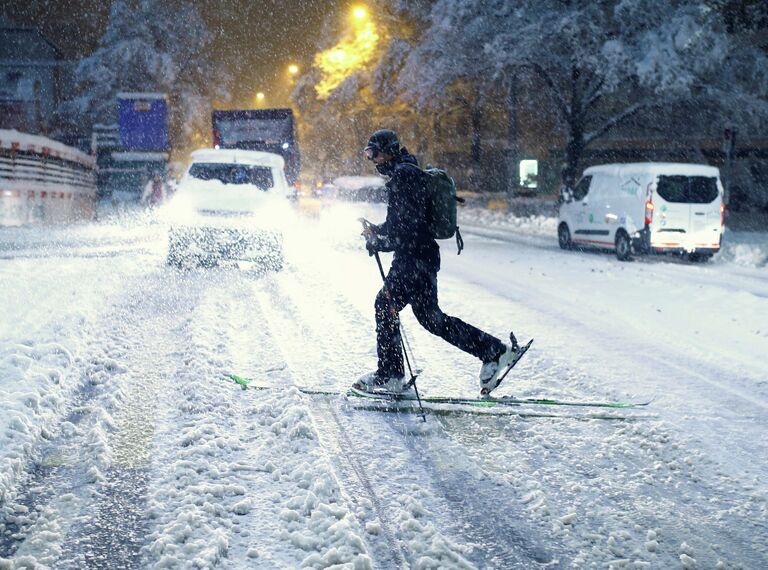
{"x": 564, "y": 237}
{"x": 623, "y": 246}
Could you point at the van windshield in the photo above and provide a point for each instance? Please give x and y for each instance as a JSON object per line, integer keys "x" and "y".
{"x": 688, "y": 189}
{"x": 582, "y": 188}
{"x": 259, "y": 176}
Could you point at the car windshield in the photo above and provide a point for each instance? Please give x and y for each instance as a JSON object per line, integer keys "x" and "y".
{"x": 688, "y": 189}
{"x": 259, "y": 176}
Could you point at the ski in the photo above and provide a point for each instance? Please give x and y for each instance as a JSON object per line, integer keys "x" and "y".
{"x": 406, "y": 397}
{"x": 490, "y": 401}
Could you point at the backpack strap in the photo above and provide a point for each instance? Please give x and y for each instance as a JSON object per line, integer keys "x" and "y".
{"x": 459, "y": 241}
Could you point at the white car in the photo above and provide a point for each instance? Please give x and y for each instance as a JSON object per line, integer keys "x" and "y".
{"x": 653, "y": 207}
{"x": 228, "y": 206}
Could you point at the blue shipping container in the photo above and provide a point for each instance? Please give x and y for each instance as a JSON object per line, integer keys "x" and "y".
{"x": 143, "y": 121}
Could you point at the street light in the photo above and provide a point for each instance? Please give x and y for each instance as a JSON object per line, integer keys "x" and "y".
{"x": 355, "y": 51}
{"x": 359, "y": 13}
{"x": 259, "y": 98}
{"x": 293, "y": 69}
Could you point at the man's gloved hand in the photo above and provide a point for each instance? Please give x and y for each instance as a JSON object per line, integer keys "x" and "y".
{"x": 367, "y": 228}
{"x": 374, "y": 243}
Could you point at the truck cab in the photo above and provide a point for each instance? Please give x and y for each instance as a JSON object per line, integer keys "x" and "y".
{"x": 266, "y": 130}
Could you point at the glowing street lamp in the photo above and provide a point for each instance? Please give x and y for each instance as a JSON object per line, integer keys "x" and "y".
{"x": 359, "y": 13}
{"x": 259, "y": 97}
{"x": 293, "y": 69}
{"x": 355, "y": 51}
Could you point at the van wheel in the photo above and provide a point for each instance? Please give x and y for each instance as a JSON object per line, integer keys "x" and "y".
{"x": 564, "y": 237}
{"x": 699, "y": 257}
{"x": 623, "y": 246}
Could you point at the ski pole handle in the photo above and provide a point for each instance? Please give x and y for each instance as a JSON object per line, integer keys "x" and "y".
{"x": 366, "y": 226}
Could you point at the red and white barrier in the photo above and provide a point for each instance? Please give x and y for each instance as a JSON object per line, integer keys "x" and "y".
{"x": 42, "y": 180}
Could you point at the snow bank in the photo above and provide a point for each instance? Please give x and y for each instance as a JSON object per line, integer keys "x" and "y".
{"x": 34, "y": 381}
{"x": 537, "y": 225}
{"x": 749, "y": 249}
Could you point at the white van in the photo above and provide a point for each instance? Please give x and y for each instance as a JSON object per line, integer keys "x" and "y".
{"x": 653, "y": 207}
{"x": 230, "y": 205}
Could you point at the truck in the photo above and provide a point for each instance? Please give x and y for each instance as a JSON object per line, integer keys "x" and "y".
{"x": 267, "y": 130}
{"x": 131, "y": 151}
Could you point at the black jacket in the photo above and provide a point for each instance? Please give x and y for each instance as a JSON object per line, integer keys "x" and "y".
{"x": 405, "y": 229}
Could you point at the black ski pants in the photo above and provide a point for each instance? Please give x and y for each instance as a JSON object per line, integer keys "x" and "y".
{"x": 412, "y": 283}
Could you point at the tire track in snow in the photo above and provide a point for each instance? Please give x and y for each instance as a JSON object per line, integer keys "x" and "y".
{"x": 115, "y": 530}
{"x": 394, "y": 555}
{"x": 505, "y": 539}
{"x": 572, "y": 340}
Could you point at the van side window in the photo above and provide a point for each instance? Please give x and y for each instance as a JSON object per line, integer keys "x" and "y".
{"x": 580, "y": 192}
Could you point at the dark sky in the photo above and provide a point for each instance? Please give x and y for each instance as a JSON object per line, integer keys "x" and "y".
{"x": 255, "y": 40}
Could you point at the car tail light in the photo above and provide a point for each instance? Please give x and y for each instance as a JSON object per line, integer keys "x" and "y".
{"x": 648, "y": 212}
{"x": 216, "y": 139}
{"x": 722, "y": 213}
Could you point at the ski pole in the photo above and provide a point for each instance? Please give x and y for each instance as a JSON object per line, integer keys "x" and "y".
{"x": 403, "y": 337}
{"x": 412, "y": 381}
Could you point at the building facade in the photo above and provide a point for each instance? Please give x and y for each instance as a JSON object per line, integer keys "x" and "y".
{"x": 31, "y": 78}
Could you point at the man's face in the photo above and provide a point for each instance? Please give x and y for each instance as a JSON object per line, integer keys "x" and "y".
{"x": 377, "y": 156}
{"x": 382, "y": 157}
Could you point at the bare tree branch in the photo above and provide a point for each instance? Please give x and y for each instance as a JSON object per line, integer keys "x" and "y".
{"x": 611, "y": 123}
{"x": 596, "y": 94}
{"x": 562, "y": 104}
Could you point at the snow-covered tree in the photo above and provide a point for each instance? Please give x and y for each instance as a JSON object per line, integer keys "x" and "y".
{"x": 595, "y": 64}
{"x": 151, "y": 45}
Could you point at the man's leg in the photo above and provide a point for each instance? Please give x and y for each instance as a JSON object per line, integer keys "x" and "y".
{"x": 389, "y": 302}
{"x": 460, "y": 334}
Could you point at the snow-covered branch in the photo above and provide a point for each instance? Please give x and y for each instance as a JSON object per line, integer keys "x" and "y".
{"x": 615, "y": 121}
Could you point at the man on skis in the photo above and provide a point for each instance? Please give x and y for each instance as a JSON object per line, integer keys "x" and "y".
{"x": 412, "y": 278}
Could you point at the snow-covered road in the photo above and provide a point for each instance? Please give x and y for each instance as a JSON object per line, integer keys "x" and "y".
{"x": 123, "y": 444}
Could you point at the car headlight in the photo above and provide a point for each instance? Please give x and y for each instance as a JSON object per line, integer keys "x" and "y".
{"x": 179, "y": 210}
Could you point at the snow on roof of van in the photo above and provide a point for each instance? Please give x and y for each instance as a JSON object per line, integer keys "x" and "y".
{"x": 668, "y": 168}
{"x": 237, "y": 156}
